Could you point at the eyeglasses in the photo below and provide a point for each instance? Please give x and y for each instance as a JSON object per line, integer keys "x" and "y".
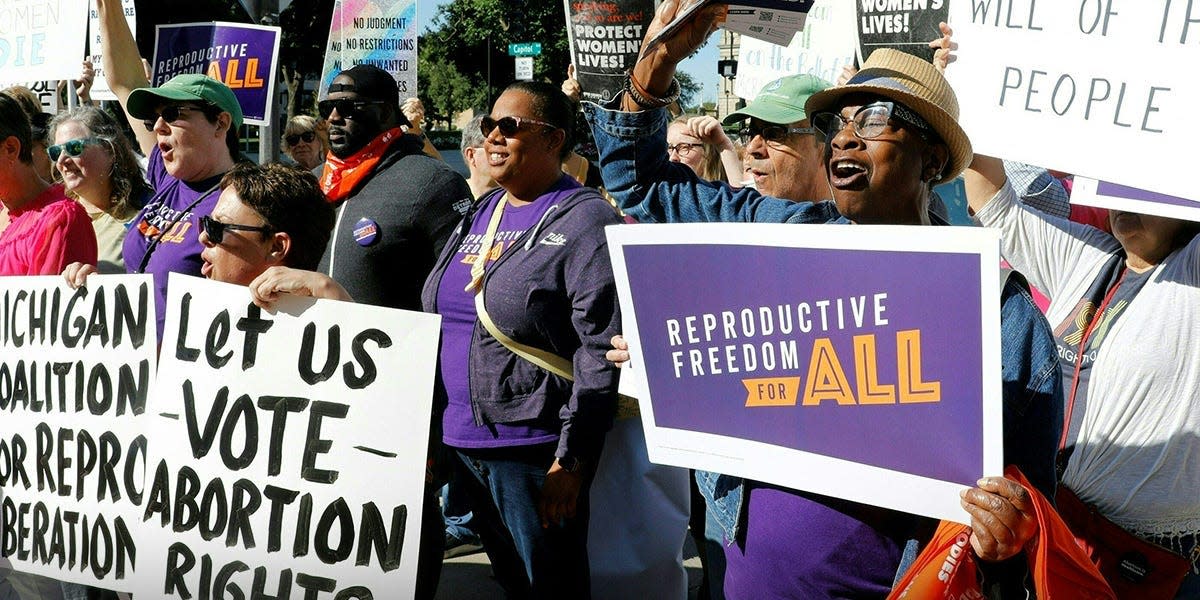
{"x": 73, "y": 148}
{"x": 683, "y": 148}
{"x": 307, "y": 136}
{"x": 347, "y": 108}
{"x": 871, "y": 121}
{"x": 509, "y": 126}
{"x": 216, "y": 229}
{"x": 169, "y": 114}
{"x": 772, "y": 133}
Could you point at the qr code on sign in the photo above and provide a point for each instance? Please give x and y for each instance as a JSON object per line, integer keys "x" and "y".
{"x": 766, "y": 16}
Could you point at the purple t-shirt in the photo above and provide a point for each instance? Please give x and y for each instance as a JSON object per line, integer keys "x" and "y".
{"x": 797, "y": 547}
{"x": 457, "y": 308}
{"x": 167, "y": 211}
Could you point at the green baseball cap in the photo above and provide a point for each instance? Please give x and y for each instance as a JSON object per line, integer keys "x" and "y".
{"x": 781, "y": 101}
{"x": 189, "y": 87}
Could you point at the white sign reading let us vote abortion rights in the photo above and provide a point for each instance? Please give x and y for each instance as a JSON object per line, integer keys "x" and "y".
{"x": 1101, "y": 88}
{"x": 287, "y": 448}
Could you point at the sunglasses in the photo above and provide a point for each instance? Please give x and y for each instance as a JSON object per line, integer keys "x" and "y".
{"x": 73, "y": 148}
{"x": 216, "y": 229}
{"x": 509, "y": 126}
{"x": 348, "y": 108}
{"x": 772, "y": 133}
{"x": 307, "y": 136}
{"x": 169, "y": 114}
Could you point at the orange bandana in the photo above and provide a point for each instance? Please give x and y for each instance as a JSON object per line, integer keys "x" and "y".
{"x": 341, "y": 176}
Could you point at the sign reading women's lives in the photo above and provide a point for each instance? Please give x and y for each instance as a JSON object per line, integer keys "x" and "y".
{"x": 41, "y": 39}
{"x": 382, "y": 33}
{"x": 855, "y": 362}
{"x": 605, "y": 38}
{"x": 240, "y": 55}
{"x": 1114, "y": 196}
{"x": 75, "y": 373}
{"x": 906, "y": 25}
{"x": 1097, "y": 88}
{"x": 287, "y": 450}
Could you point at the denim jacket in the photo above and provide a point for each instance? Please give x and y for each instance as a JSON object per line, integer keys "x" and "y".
{"x": 633, "y": 161}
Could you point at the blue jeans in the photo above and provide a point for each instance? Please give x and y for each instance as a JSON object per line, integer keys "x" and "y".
{"x": 529, "y": 561}
{"x": 456, "y": 510}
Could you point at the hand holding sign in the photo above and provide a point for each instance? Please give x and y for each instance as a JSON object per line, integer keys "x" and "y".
{"x": 1002, "y": 518}
{"x": 656, "y": 67}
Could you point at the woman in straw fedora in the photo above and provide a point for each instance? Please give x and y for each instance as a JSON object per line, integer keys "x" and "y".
{"x": 891, "y": 134}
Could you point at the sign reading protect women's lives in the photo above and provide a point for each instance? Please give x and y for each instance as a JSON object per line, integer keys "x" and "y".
{"x": 75, "y": 373}
{"x": 382, "y": 33}
{"x": 1120, "y": 197}
{"x": 605, "y": 38}
{"x": 906, "y": 25}
{"x": 1092, "y": 87}
{"x": 287, "y": 448}
{"x": 41, "y": 39}
{"x": 855, "y": 362}
{"x": 100, "y": 89}
{"x": 822, "y": 49}
{"x": 240, "y": 55}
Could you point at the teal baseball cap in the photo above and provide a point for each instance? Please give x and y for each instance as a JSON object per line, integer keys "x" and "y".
{"x": 781, "y": 101}
{"x": 189, "y": 87}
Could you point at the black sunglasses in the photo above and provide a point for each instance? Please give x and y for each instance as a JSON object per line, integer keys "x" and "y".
{"x": 169, "y": 114}
{"x": 347, "y": 108}
{"x": 307, "y": 136}
{"x": 509, "y": 126}
{"x": 216, "y": 229}
{"x": 772, "y": 133}
{"x": 73, "y": 148}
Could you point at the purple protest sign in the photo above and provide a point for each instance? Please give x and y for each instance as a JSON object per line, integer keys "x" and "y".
{"x": 819, "y": 358}
{"x": 240, "y": 55}
{"x": 1114, "y": 196}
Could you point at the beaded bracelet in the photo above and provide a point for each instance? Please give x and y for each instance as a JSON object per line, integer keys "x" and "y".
{"x": 645, "y": 99}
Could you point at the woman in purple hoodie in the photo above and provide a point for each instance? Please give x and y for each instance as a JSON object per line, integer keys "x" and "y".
{"x": 535, "y": 250}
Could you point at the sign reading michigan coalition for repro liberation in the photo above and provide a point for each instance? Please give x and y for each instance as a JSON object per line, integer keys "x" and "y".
{"x": 287, "y": 448}
{"x": 75, "y": 373}
{"x": 856, "y": 362}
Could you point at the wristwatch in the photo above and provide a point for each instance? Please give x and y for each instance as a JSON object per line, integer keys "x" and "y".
{"x": 571, "y": 464}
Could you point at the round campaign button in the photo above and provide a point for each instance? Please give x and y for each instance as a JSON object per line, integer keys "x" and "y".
{"x": 366, "y": 231}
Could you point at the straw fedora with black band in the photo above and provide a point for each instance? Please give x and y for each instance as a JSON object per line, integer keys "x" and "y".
{"x": 915, "y": 83}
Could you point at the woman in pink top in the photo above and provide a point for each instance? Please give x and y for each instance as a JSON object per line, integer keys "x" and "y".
{"x": 46, "y": 231}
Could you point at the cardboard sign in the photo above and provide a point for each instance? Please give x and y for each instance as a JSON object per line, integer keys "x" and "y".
{"x": 823, "y": 48}
{"x": 1112, "y": 196}
{"x": 75, "y": 374}
{"x": 374, "y": 32}
{"x": 907, "y": 25}
{"x": 605, "y": 38}
{"x": 241, "y": 56}
{"x": 287, "y": 450}
{"x": 100, "y": 89}
{"x": 41, "y": 39}
{"x": 1084, "y": 87}
{"x": 856, "y": 362}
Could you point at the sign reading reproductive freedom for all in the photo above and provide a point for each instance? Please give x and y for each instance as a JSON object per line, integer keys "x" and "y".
{"x": 75, "y": 373}
{"x": 287, "y": 450}
{"x": 824, "y": 46}
{"x": 41, "y": 39}
{"x": 1113, "y": 196}
{"x": 241, "y": 56}
{"x": 374, "y": 32}
{"x": 605, "y": 37}
{"x": 1097, "y": 88}
{"x": 856, "y": 362}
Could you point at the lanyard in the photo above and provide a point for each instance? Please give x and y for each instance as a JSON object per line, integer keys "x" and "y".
{"x": 485, "y": 246}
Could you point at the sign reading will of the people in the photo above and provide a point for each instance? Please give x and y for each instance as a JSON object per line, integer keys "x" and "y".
{"x": 1098, "y": 89}
{"x": 1114, "y": 196}
{"x": 287, "y": 448}
{"x": 905, "y": 25}
{"x": 240, "y": 55}
{"x": 75, "y": 374}
{"x": 41, "y": 39}
{"x": 856, "y": 362}
{"x": 382, "y": 33}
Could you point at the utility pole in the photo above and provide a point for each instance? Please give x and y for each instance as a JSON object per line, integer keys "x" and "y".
{"x": 266, "y": 12}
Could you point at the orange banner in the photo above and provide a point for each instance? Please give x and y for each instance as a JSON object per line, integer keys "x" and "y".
{"x": 772, "y": 391}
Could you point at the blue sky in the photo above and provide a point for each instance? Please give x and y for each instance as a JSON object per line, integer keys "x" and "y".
{"x": 702, "y": 66}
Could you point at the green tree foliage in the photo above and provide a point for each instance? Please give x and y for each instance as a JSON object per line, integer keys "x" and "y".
{"x": 470, "y": 39}
{"x": 689, "y": 90}
{"x": 305, "y": 26}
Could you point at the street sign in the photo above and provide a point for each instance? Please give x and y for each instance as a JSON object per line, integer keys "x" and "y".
{"x": 524, "y": 68}
{"x": 525, "y": 49}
